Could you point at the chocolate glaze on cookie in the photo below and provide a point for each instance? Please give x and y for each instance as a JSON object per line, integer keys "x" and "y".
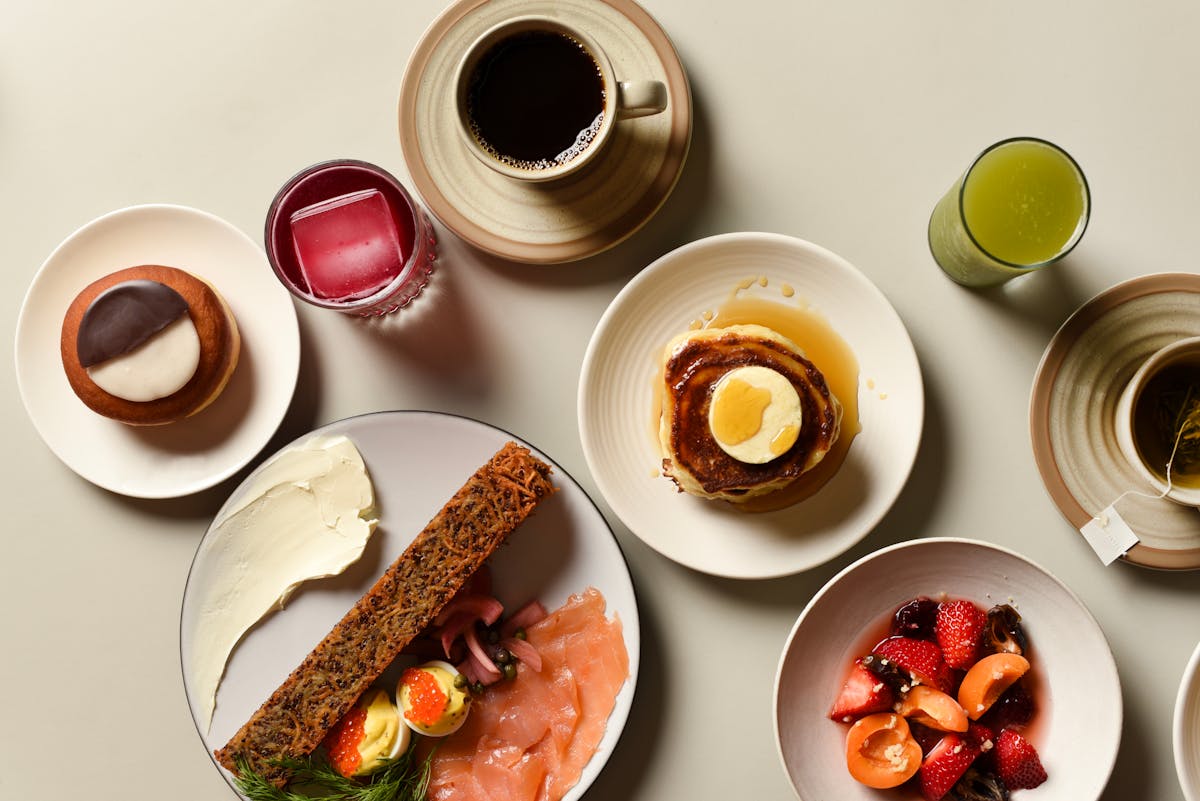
{"x": 123, "y": 317}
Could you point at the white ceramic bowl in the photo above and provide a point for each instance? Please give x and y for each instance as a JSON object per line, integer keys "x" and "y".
{"x": 1078, "y": 726}
{"x": 1187, "y": 729}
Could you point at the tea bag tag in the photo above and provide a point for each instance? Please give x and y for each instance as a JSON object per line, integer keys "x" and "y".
{"x": 1109, "y": 535}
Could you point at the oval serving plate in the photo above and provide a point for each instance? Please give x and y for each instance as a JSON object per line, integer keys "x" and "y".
{"x": 417, "y": 461}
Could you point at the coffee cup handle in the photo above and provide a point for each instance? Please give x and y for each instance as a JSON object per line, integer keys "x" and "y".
{"x": 640, "y": 98}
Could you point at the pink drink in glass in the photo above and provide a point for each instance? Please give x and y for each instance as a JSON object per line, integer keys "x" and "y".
{"x": 346, "y": 235}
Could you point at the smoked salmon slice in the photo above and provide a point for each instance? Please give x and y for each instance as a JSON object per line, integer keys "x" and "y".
{"x": 529, "y": 739}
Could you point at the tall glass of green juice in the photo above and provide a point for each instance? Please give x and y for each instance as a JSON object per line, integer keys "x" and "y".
{"x": 1022, "y": 204}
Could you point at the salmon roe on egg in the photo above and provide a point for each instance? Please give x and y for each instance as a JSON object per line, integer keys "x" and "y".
{"x": 426, "y": 698}
{"x": 342, "y": 742}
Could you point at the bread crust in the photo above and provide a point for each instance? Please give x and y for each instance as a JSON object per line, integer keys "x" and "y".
{"x": 400, "y": 605}
{"x": 220, "y": 345}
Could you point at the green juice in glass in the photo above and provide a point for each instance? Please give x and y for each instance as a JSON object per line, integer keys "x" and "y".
{"x": 1023, "y": 204}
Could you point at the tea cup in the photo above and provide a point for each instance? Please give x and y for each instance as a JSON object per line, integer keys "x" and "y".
{"x": 1139, "y": 436}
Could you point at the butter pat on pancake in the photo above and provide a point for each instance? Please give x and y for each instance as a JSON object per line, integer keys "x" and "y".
{"x": 754, "y": 414}
{"x": 700, "y": 367}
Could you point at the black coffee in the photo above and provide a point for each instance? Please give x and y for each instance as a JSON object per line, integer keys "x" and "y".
{"x": 536, "y": 99}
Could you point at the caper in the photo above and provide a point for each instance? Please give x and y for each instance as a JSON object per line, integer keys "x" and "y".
{"x": 520, "y": 634}
{"x": 477, "y": 688}
{"x": 460, "y": 681}
{"x": 503, "y": 657}
{"x": 510, "y": 671}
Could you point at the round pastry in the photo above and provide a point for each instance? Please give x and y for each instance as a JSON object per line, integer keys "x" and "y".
{"x": 149, "y": 345}
{"x": 744, "y": 413}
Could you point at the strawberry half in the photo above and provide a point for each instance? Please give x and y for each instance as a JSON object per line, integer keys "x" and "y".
{"x": 959, "y": 631}
{"x": 862, "y": 694}
{"x": 945, "y": 765}
{"x": 1017, "y": 762}
{"x": 921, "y": 658}
{"x": 983, "y": 738}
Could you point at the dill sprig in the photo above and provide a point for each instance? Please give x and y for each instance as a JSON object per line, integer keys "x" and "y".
{"x": 401, "y": 779}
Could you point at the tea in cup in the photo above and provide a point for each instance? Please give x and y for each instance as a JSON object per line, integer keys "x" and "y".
{"x": 537, "y": 99}
{"x": 1158, "y": 421}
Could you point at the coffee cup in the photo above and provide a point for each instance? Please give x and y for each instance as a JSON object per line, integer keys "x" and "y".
{"x": 1150, "y": 412}
{"x": 537, "y": 99}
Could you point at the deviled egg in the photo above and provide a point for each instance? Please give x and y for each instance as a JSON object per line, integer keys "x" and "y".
{"x": 368, "y": 735}
{"x": 433, "y": 698}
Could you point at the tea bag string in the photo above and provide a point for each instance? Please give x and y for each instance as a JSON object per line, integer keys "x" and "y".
{"x": 1170, "y": 464}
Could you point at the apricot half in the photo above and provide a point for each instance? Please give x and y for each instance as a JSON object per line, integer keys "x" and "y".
{"x": 933, "y": 708}
{"x": 881, "y": 751}
{"x": 987, "y": 680}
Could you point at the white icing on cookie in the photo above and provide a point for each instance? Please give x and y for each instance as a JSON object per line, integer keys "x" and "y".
{"x": 159, "y": 367}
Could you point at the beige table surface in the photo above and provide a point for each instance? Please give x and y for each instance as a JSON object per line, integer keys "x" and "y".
{"x": 839, "y": 122}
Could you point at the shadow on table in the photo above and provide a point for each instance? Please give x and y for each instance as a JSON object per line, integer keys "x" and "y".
{"x": 1130, "y": 777}
{"x": 1045, "y": 298}
{"x": 437, "y": 335}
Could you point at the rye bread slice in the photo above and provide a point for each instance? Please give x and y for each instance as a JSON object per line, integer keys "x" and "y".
{"x": 401, "y": 604}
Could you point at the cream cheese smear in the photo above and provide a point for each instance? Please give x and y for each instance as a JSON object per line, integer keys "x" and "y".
{"x": 305, "y": 514}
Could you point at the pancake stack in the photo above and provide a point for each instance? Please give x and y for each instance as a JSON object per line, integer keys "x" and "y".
{"x": 693, "y": 366}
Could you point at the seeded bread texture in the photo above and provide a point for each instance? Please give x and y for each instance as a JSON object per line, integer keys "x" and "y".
{"x": 401, "y": 604}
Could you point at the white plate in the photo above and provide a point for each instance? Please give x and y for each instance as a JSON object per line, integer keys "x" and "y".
{"x": 417, "y": 461}
{"x": 193, "y": 454}
{"x": 1187, "y": 729}
{"x": 616, "y": 403}
{"x": 1077, "y": 728}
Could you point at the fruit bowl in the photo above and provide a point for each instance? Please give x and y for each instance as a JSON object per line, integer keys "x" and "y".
{"x": 1078, "y": 725}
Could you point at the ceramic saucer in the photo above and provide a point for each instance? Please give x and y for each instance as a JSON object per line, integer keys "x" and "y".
{"x": 560, "y": 221}
{"x": 1072, "y": 412}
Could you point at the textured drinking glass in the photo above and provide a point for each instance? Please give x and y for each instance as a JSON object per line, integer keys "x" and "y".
{"x": 346, "y": 235}
{"x": 1022, "y": 204}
